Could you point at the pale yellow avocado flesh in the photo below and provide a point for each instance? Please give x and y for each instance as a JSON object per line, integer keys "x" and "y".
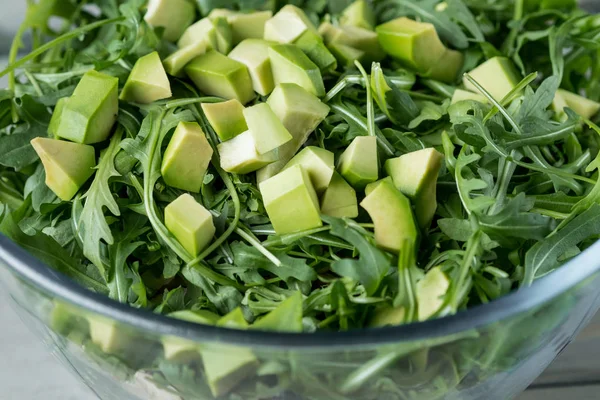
{"x": 201, "y": 31}
{"x": 176, "y": 62}
{"x": 287, "y": 317}
{"x": 190, "y": 223}
{"x": 585, "y": 107}
{"x": 359, "y": 13}
{"x": 319, "y": 163}
{"x": 291, "y": 65}
{"x": 239, "y": 154}
{"x": 287, "y": 25}
{"x": 254, "y": 54}
{"x": 359, "y": 163}
{"x": 339, "y": 199}
{"x": 461, "y": 95}
{"x": 244, "y": 25}
{"x": 430, "y": 293}
{"x": 173, "y": 15}
{"x": 147, "y": 82}
{"x": 268, "y": 131}
{"x": 497, "y": 75}
{"x": 186, "y": 351}
{"x": 226, "y": 118}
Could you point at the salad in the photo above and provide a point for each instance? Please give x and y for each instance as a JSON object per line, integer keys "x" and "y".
{"x": 321, "y": 165}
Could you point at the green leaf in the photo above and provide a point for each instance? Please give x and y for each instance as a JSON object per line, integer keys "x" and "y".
{"x": 16, "y": 150}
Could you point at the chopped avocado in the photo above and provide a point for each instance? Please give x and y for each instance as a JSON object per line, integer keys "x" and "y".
{"x": 91, "y": 111}
{"x": 392, "y": 215}
{"x": 147, "y": 81}
{"x": 218, "y": 75}
{"x": 202, "y": 31}
{"x": 415, "y": 174}
{"x": 291, "y": 65}
{"x": 301, "y": 113}
{"x": 186, "y": 351}
{"x": 497, "y": 75}
{"x": 247, "y": 25}
{"x": 313, "y": 46}
{"x": 226, "y": 118}
{"x": 109, "y": 336}
{"x": 359, "y": 164}
{"x": 291, "y": 201}
{"x": 66, "y": 318}
{"x": 254, "y": 54}
{"x": 430, "y": 293}
{"x": 447, "y": 67}
{"x": 319, "y": 163}
{"x": 359, "y": 13}
{"x": 339, "y": 199}
{"x": 190, "y": 223}
{"x": 172, "y": 15}
{"x": 287, "y": 25}
{"x": 187, "y": 158}
{"x": 226, "y": 367}
{"x": 68, "y": 165}
{"x": 346, "y": 55}
{"x": 239, "y": 155}
{"x": 358, "y": 38}
{"x": 56, "y": 116}
{"x": 268, "y": 131}
{"x": 460, "y": 95}
{"x": 224, "y": 35}
{"x": 387, "y": 316}
{"x": 176, "y": 62}
{"x": 287, "y": 317}
{"x": 582, "y": 106}
{"x": 234, "y": 320}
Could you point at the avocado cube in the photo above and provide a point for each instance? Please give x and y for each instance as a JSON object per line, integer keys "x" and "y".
{"x": 218, "y": 75}
{"x": 319, "y": 163}
{"x": 176, "y": 62}
{"x": 108, "y": 336}
{"x": 301, "y": 113}
{"x": 226, "y": 367}
{"x": 190, "y": 223}
{"x": 339, "y": 199}
{"x": 90, "y": 113}
{"x": 147, "y": 81}
{"x": 68, "y": 165}
{"x": 359, "y": 163}
{"x": 358, "y": 38}
{"x": 226, "y": 118}
{"x": 497, "y": 75}
{"x": 202, "y": 31}
{"x": 56, "y": 116}
{"x": 392, "y": 216}
{"x": 446, "y": 69}
{"x": 287, "y": 25}
{"x": 172, "y": 15}
{"x": 239, "y": 155}
{"x": 346, "y": 55}
{"x": 430, "y": 293}
{"x": 224, "y": 35}
{"x": 187, "y": 158}
{"x": 291, "y": 201}
{"x": 461, "y": 95}
{"x": 254, "y": 54}
{"x": 186, "y": 351}
{"x": 360, "y": 14}
{"x": 415, "y": 174}
{"x": 582, "y": 106}
{"x": 387, "y": 316}
{"x": 287, "y": 317}
{"x": 313, "y": 46}
{"x": 268, "y": 131}
{"x": 234, "y": 320}
{"x": 245, "y": 25}
{"x": 66, "y": 319}
{"x": 291, "y": 65}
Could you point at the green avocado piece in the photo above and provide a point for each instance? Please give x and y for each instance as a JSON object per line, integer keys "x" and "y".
{"x": 268, "y": 131}
{"x": 392, "y": 215}
{"x": 239, "y": 155}
{"x": 244, "y": 25}
{"x": 56, "y": 116}
{"x": 318, "y": 162}
{"x": 497, "y": 75}
{"x": 346, "y": 55}
{"x": 68, "y": 165}
{"x": 339, "y": 199}
{"x": 176, "y": 62}
{"x": 234, "y": 320}
{"x": 187, "y": 158}
{"x": 254, "y": 54}
{"x": 226, "y": 118}
{"x": 291, "y": 201}
{"x": 186, "y": 351}
{"x": 147, "y": 81}
{"x": 109, "y": 336}
{"x": 358, "y": 38}
{"x": 172, "y": 15}
{"x": 218, "y": 75}
{"x": 415, "y": 174}
{"x": 91, "y": 111}
{"x": 291, "y": 65}
{"x": 582, "y": 106}
{"x": 430, "y": 293}
{"x": 287, "y": 25}
{"x": 312, "y": 45}
{"x": 287, "y": 317}
{"x": 224, "y": 35}
{"x": 190, "y": 223}
{"x": 359, "y": 164}
{"x": 461, "y": 95}
{"x": 387, "y": 316}
{"x": 300, "y": 112}
{"x": 65, "y": 319}
{"x": 446, "y": 69}
{"x": 360, "y": 14}
{"x": 226, "y": 367}
{"x": 201, "y": 31}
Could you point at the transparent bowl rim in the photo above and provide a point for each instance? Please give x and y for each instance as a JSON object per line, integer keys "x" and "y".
{"x": 56, "y": 285}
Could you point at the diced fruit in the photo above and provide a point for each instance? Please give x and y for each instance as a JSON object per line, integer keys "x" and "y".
{"x": 291, "y": 201}
{"x": 186, "y": 351}
{"x": 254, "y": 54}
{"x": 387, "y": 316}
{"x": 392, "y": 215}
{"x": 313, "y": 46}
{"x": 56, "y": 116}
{"x": 360, "y": 14}
{"x": 245, "y": 26}
{"x": 430, "y": 293}
{"x": 68, "y": 165}
{"x": 301, "y": 113}
{"x": 497, "y": 75}
{"x": 218, "y": 75}
{"x": 224, "y": 35}
{"x": 147, "y": 82}
{"x": 90, "y": 113}
{"x": 176, "y": 62}
{"x": 239, "y": 155}
{"x": 339, "y": 199}
{"x": 202, "y": 31}
{"x": 234, "y": 320}
{"x": 319, "y": 163}
{"x": 190, "y": 223}
{"x": 346, "y": 55}
{"x": 172, "y": 15}
{"x": 447, "y": 67}
{"x": 66, "y": 318}
{"x": 582, "y": 106}
{"x": 226, "y": 118}
{"x": 287, "y": 25}
{"x": 287, "y": 317}
{"x": 226, "y": 367}
{"x": 460, "y": 95}
{"x": 355, "y": 37}
{"x": 187, "y": 158}
{"x": 359, "y": 164}
{"x": 291, "y": 65}
{"x": 108, "y": 337}
{"x": 415, "y": 174}
{"x": 268, "y": 131}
